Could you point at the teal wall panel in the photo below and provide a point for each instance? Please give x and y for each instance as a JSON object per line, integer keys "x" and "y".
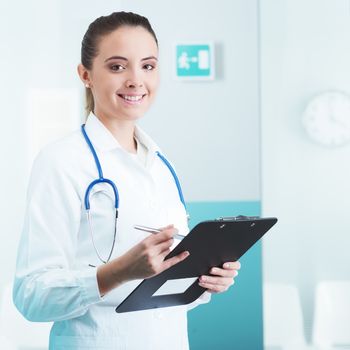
{"x": 232, "y": 320}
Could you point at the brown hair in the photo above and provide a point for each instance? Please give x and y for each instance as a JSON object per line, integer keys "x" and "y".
{"x": 100, "y": 27}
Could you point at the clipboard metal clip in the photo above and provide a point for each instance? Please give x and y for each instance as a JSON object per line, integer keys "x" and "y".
{"x": 237, "y": 218}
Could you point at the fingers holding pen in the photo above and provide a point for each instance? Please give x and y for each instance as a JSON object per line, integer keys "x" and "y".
{"x": 166, "y": 233}
{"x": 160, "y": 242}
{"x": 165, "y": 241}
{"x": 170, "y": 231}
{"x": 146, "y": 259}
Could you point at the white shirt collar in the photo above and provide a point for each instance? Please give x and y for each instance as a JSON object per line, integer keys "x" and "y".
{"x": 103, "y": 139}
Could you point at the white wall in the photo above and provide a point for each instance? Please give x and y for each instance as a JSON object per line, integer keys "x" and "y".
{"x": 305, "y": 50}
{"x": 29, "y": 58}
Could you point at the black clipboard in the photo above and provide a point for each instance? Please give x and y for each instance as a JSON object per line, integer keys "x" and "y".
{"x": 210, "y": 243}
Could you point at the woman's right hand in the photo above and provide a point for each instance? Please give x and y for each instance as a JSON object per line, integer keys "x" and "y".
{"x": 144, "y": 260}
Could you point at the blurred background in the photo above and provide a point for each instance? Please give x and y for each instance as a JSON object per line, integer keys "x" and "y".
{"x": 268, "y": 135}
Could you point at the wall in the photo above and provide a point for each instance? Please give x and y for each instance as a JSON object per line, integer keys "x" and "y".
{"x": 305, "y": 50}
{"x": 25, "y": 62}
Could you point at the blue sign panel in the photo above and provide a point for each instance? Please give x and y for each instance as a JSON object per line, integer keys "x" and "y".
{"x": 195, "y": 61}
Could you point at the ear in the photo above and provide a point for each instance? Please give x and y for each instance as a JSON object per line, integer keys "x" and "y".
{"x": 84, "y": 75}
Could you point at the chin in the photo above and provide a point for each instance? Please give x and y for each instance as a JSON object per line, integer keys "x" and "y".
{"x": 133, "y": 116}
{"x": 131, "y": 113}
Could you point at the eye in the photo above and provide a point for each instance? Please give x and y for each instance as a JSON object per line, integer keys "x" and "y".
{"x": 117, "y": 67}
{"x": 148, "y": 67}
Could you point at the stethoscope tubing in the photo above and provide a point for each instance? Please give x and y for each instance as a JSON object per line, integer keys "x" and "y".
{"x": 102, "y": 179}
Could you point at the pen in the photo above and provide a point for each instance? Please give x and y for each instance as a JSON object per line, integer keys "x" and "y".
{"x": 155, "y": 231}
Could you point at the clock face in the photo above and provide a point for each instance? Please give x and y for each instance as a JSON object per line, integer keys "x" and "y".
{"x": 327, "y": 119}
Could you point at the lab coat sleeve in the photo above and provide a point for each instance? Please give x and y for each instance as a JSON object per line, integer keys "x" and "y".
{"x": 203, "y": 299}
{"x": 47, "y": 286}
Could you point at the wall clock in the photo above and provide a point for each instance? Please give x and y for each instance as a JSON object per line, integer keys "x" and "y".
{"x": 327, "y": 118}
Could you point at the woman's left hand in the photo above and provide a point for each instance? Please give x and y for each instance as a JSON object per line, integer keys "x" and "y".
{"x": 220, "y": 279}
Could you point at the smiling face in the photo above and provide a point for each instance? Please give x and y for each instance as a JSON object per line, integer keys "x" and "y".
{"x": 124, "y": 75}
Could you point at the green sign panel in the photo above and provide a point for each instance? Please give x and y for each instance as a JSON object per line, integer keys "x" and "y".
{"x": 195, "y": 61}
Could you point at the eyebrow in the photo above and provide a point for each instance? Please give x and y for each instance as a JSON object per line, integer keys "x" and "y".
{"x": 125, "y": 59}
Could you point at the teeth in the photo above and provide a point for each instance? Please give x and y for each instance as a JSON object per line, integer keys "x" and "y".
{"x": 132, "y": 98}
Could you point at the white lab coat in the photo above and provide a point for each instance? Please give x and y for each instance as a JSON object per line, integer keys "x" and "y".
{"x": 54, "y": 281}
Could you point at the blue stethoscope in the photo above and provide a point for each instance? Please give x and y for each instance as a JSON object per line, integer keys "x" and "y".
{"x": 102, "y": 179}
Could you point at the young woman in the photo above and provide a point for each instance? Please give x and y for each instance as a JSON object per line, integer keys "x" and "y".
{"x": 74, "y": 268}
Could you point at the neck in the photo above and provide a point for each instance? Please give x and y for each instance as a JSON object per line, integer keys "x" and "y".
{"x": 122, "y": 130}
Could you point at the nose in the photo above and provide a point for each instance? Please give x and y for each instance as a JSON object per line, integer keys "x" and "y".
{"x": 134, "y": 81}
{"x": 133, "y": 84}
